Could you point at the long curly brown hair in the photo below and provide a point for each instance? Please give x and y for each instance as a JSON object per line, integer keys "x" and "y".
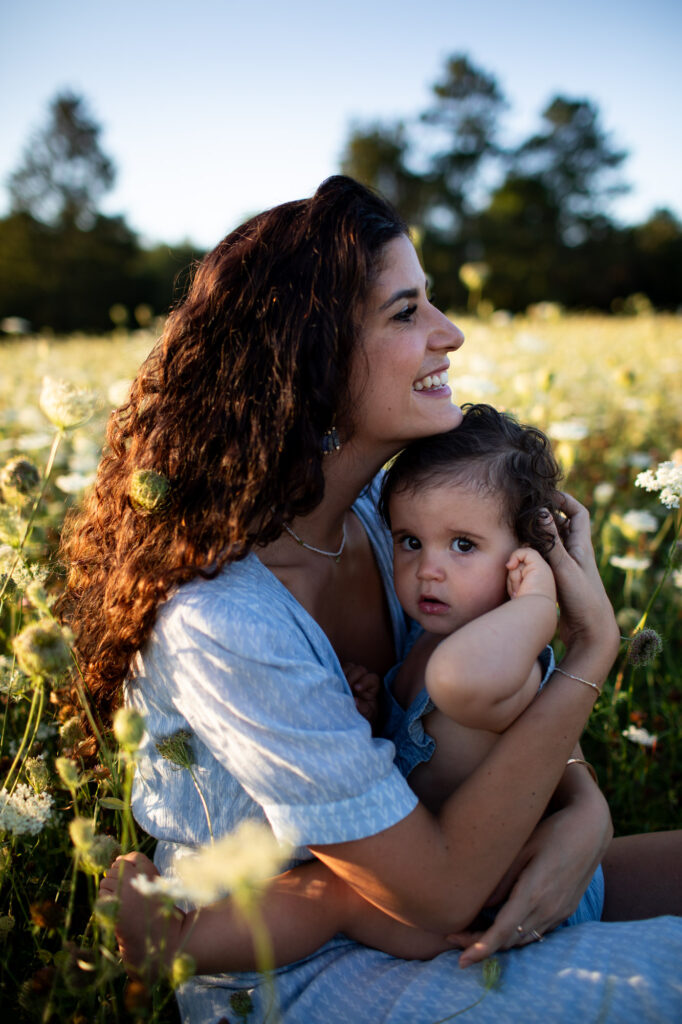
{"x": 230, "y": 408}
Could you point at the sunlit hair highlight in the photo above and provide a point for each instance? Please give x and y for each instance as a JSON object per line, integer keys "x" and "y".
{"x": 230, "y": 408}
{"x": 494, "y": 453}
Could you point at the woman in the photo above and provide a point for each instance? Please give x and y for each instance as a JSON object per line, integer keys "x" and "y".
{"x": 305, "y": 355}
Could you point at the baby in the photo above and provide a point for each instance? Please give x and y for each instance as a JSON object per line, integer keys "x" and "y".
{"x": 471, "y": 513}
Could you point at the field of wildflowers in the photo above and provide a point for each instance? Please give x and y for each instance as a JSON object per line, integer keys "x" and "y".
{"x": 607, "y": 391}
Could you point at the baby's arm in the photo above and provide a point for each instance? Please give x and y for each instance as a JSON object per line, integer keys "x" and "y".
{"x": 486, "y": 673}
{"x": 366, "y": 690}
{"x": 301, "y": 909}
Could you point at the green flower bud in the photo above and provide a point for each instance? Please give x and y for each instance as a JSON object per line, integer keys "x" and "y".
{"x": 19, "y": 479}
{"x": 71, "y": 731}
{"x": 105, "y": 910}
{"x": 627, "y": 619}
{"x": 128, "y": 728}
{"x": 149, "y": 491}
{"x": 67, "y": 770}
{"x": 42, "y": 649}
{"x": 492, "y": 972}
{"x": 37, "y": 773}
{"x": 100, "y": 854}
{"x": 82, "y": 832}
{"x": 182, "y": 969}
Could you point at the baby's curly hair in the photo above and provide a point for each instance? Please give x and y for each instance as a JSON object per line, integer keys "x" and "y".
{"x": 493, "y": 452}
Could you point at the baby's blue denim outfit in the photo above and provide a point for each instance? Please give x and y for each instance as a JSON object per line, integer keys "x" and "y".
{"x": 242, "y": 666}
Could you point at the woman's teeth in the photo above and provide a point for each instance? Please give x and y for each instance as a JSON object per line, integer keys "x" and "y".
{"x": 435, "y": 381}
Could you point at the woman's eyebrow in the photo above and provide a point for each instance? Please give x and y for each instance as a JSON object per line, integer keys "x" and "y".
{"x": 404, "y": 293}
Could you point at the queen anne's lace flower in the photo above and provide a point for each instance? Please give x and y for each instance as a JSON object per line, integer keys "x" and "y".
{"x": 667, "y": 480}
{"x": 24, "y": 812}
{"x": 640, "y": 736}
{"x": 630, "y": 563}
{"x": 66, "y": 405}
{"x": 640, "y": 521}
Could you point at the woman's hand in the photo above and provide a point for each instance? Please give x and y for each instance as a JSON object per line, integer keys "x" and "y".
{"x": 548, "y": 878}
{"x": 586, "y": 613}
{"x": 147, "y": 930}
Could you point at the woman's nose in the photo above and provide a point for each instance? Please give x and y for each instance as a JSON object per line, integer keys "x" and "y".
{"x": 446, "y": 335}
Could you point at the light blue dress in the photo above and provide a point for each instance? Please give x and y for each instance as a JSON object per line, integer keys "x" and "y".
{"x": 238, "y": 662}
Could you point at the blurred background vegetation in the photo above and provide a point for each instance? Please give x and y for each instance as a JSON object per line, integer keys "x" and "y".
{"x": 499, "y": 228}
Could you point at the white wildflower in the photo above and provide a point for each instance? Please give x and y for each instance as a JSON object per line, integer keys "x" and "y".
{"x": 640, "y": 521}
{"x": 74, "y": 483}
{"x": 572, "y": 430}
{"x": 237, "y": 862}
{"x": 603, "y": 493}
{"x": 24, "y": 812}
{"x": 118, "y": 393}
{"x": 630, "y": 563}
{"x": 667, "y": 480}
{"x": 677, "y": 578}
{"x": 640, "y": 736}
{"x": 66, "y": 405}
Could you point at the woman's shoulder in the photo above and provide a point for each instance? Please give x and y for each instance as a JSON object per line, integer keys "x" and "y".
{"x": 244, "y": 608}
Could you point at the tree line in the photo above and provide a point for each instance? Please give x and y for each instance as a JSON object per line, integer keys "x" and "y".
{"x": 498, "y": 226}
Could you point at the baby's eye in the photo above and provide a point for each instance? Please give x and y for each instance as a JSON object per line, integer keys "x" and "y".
{"x": 463, "y": 545}
{"x": 409, "y": 543}
{"x": 405, "y": 314}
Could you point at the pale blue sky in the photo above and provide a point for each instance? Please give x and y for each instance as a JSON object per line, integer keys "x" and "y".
{"x": 213, "y": 109}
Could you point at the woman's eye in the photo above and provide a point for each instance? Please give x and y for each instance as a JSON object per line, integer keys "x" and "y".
{"x": 406, "y": 314}
{"x": 409, "y": 543}
{"x": 462, "y": 545}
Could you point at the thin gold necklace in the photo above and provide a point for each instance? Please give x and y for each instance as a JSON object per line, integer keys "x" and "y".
{"x": 336, "y": 555}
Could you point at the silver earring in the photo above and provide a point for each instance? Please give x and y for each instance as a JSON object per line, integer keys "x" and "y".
{"x": 330, "y": 441}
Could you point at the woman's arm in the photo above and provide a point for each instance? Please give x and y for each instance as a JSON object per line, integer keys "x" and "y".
{"x": 459, "y": 864}
{"x": 486, "y": 673}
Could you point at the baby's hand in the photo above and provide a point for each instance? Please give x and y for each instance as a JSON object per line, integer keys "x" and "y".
{"x": 528, "y": 573}
{"x": 146, "y": 930}
{"x": 366, "y": 689}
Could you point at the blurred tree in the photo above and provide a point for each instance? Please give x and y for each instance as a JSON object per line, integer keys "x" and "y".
{"x": 574, "y": 159}
{"x": 464, "y": 123}
{"x": 64, "y": 172}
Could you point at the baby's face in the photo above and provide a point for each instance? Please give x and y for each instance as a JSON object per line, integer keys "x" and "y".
{"x": 450, "y": 549}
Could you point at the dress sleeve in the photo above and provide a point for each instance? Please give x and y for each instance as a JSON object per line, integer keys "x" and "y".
{"x": 278, "y": 714}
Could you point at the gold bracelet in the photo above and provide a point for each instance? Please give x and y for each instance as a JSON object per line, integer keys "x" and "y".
{"x": 578, "y": 679}
{"x": 580, "y": 760}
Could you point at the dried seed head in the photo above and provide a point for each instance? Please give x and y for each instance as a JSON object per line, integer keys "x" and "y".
{"x": 644, "y": 647}
{"x": 177, "y": 749}
{"x": 19, "y": 479}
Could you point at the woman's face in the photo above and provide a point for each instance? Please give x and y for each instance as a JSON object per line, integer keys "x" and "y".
{"x": 399, "y": 372}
